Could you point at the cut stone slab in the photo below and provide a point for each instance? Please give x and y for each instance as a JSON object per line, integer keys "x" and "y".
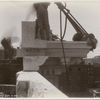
{"x": 54, "y": 49}
{"x": 28, "y": 36}
{"x": 33, "y": 85}
{"x": 28, "y": 33}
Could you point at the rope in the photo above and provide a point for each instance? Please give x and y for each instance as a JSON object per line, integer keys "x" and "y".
{"x": 60, "y": 25}
{"x": 61, "y": 39}
{"x": 63, "y": 35}
{"x": 65, "y": 28}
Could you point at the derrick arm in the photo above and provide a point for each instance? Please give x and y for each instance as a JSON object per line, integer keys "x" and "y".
{"x": 82, "y": 34}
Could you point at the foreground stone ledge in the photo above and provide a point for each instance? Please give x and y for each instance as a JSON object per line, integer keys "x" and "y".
{"x": 32, "y": 84}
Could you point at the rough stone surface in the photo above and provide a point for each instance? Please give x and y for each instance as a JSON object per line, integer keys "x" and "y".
{"x": 32, "y": 63}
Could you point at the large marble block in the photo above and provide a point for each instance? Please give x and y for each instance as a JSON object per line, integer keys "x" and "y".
{"x": 35, "y": 47}
{"x": 54, "y": 49}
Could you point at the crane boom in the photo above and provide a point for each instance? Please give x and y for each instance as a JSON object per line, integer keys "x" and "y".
{"x": 71, "y": 18}
{"x": 81, "y": 32}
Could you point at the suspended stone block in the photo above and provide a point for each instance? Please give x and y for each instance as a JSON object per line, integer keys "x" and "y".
{"x": 35, "y": 47}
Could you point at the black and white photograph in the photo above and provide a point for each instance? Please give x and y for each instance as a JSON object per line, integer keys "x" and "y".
{"x": 50, "y": 49}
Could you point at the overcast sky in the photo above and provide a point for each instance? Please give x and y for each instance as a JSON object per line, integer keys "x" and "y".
{"x": 87, "y": 12}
